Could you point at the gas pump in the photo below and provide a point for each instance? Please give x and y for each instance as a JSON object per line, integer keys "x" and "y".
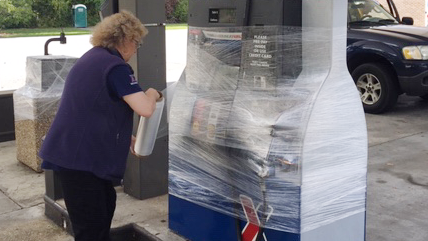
{"x": 267, "y": 132}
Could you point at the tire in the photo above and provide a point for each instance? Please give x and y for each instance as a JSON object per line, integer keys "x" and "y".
{"x": 377, "y": 86}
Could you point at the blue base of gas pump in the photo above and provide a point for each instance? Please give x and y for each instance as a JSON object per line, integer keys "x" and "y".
{"x": 198, "y": 223}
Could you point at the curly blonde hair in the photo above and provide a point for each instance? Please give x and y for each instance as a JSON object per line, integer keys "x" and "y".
{"x": 114, "y": 30}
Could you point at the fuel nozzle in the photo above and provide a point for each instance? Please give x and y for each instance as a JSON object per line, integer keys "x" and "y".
{"x": 62, "y": 40}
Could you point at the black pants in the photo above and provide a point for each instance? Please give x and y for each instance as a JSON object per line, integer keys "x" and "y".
{"x": 90, "y": 203}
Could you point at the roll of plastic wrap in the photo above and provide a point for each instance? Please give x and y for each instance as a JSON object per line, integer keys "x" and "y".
{"x": 148, "y": 130}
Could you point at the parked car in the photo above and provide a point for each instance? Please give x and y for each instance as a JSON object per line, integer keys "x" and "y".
{"x": 386, "y": 56}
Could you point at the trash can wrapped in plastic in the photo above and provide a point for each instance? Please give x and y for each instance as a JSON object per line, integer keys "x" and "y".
{"x": 36, "y": 104}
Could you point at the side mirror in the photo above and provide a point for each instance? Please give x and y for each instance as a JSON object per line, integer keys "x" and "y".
{"x": 407, "y": 20}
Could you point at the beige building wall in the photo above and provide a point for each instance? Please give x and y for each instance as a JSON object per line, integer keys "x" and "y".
{"x": 410, "y": 8}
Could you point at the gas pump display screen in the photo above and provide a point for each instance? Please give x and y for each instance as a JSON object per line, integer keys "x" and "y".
{"x": 222, "y": 15}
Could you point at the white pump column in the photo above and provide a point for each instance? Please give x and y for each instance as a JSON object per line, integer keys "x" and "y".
{"x": 337, "y": 118}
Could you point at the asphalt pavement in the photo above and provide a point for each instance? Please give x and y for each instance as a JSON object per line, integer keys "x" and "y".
{"x": 397, "y": 198}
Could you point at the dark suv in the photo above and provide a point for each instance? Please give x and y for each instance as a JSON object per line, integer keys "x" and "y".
{"x": 386, "y": 57}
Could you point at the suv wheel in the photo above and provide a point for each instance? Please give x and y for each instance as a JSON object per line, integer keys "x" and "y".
{"x": 377, "y": 87}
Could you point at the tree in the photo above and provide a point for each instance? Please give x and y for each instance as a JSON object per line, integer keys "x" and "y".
{"x": 169, "y": 10}
{"x": 58, "y": 13}
{"x": 16, "y": 14}
{"x": 46, "y": 13}
{"x": 43, "y": 10}
{"x": 181, "y": 10}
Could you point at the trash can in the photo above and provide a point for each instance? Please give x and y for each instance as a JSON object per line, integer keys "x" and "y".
{"x": 80, "y": 16}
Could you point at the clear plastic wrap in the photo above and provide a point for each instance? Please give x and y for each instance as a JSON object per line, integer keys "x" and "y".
{"x": 36, "y": 103}
{"x": 147, "y": 130}
{"x": 265, "y": 113}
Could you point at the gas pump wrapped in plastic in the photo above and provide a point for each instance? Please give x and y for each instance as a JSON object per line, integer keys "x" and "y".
{"x": 267, "y": 128}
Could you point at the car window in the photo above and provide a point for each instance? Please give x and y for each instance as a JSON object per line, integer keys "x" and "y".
{"x": 368, "y": 11}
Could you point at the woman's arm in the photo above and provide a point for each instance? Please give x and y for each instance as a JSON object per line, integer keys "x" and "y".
{"x": 144, "y": 104}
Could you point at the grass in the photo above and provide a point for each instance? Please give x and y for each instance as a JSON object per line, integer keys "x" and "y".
{"x": 36, "y": 32}
{"x": 172, "y": 26}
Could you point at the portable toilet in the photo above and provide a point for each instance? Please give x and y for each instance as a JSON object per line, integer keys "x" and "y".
{"x": 80, "y": 16}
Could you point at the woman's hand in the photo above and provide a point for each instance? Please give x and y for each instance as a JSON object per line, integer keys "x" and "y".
{"x": 131, "y": 148}
{"x": 160, "y": 95}
{"x": 155, "y": 93}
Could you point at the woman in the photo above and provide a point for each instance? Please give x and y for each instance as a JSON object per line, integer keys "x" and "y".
{"x": 88, "y": 142}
